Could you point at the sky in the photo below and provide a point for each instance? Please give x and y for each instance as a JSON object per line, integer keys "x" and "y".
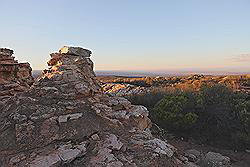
{"x": 132, "y": 35}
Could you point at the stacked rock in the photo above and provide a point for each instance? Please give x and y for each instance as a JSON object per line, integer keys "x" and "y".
{"x": 14, "y": 77}
{"x": 65, "y": 119}
{"x": 6, "y": 56}
{"x": 71, "y": 72}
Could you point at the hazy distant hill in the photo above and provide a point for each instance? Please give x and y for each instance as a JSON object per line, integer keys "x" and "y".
{"x": 132, "y": 74}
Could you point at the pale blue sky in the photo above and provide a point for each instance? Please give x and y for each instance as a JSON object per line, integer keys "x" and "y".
{"x": 149, "y": 35}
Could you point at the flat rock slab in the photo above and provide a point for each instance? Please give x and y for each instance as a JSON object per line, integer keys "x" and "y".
{"x": 77, "y": 51}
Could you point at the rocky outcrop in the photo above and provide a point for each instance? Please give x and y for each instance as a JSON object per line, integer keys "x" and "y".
{"x": 14, "y": 77}
{"x": 65, "y": 119}
{"x": 115, "y": 89}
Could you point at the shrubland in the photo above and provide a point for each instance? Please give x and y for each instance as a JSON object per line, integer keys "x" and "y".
{"x": 215, "y": 114}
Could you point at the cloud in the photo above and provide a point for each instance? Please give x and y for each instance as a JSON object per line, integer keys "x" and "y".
{"x": 242, "y": 58}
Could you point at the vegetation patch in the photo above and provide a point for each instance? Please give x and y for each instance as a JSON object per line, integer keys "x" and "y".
{"x": 214, "y": 115}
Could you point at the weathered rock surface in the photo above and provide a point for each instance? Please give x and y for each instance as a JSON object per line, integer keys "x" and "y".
{"x": 14, "y": 77}
{"x": 212, "y": 159}
{"x": 115, "y": 89}
{"x": 193, "y": 155}
{"x": 64, "y": 119}
{"x": 77, "y": 51}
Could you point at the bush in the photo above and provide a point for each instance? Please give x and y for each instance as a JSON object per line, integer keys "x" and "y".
{"x": 224, "y": 116}
{"x": 148, "y": 99}
{"x": 215, "y": 114}
{"x": 175, "y": 112}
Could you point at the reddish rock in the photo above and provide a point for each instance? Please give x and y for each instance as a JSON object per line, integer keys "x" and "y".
{"x": 14, "y": 77}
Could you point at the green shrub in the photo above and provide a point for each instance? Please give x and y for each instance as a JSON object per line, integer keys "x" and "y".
{"x": 175, "y": 112}
{"x": 215, "y": 114}
{"x": 148, "y": 99}
{"x": 190, "y": 118}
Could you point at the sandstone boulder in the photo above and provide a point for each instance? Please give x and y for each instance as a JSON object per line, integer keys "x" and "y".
{"x": 193, "y": 155}
{"x": 212, "y": 159}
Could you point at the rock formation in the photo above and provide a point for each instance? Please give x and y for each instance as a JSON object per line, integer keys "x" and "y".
{"x": 65, "y": 120}
{"x": 115, "y": 89}
{"x": 14, "y": 77}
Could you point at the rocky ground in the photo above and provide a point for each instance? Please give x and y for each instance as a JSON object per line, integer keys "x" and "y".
{"x": 125, "y": 86}
{"x": 116, "y": 89}
{"x": 197, "y": 152}
{"x": 65, "y": 119}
